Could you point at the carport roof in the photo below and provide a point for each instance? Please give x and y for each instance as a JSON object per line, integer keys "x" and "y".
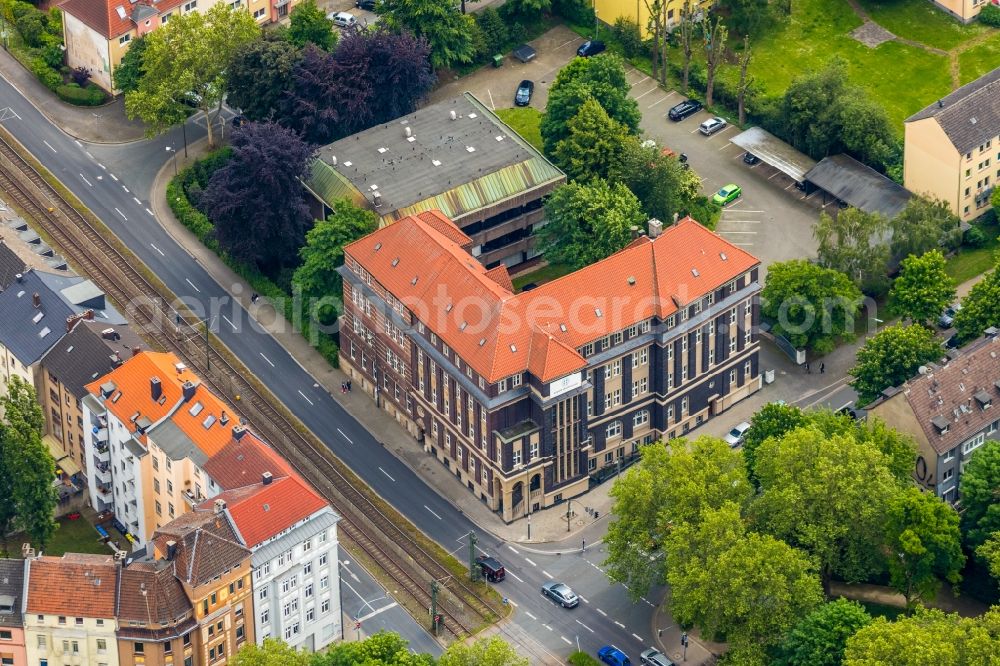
{"x": 859, "y": 185}
{"x": 772, "y": 150}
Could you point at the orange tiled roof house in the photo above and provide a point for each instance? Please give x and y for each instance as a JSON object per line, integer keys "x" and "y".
{"x": 545, "y": 388}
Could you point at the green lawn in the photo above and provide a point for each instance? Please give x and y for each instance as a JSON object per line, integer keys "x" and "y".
{"x": 969, "y": 263}
{"x": 524, "y": 120}
{"x": 979, "y": 59}
{"x": 75, "y": 536}
{"x": 546, "y": 273}
{"x": 920, "y": 21}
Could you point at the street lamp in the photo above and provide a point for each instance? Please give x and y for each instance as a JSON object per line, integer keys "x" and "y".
{"x": 527, "y": 497}
{"x": 171, "y": 149}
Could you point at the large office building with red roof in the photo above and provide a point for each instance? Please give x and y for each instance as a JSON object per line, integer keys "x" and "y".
{"x": 526, "y": 396}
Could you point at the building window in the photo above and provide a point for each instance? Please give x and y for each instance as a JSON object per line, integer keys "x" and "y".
{"x": 640, "y": 418}
{"x": 616, "y": 338}
{"x": 747, "y": 370}
{"x": 684, "y": 406}
{"x": 533, "y": 451}
{"x": 325, "y": 606}
{"x": 640, "y": 357}
{"x": 947, "y": 476}
{"x": 265, "y": 616}
{"x": 973, "y": 444}
{"x": 516, "y": 457}
{"x": 640, "y": 386}
{"x": 588, "y": 350}
{"x": 614, "y": 429}
{"x": 188, "y": 6}
{"x": 124, "y": 39}
{"x": 139, "y": 648}
{"x": 515, "y": 380}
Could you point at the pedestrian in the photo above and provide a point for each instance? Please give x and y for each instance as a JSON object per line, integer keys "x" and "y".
{"x": 343, "y": 387}
{"x": 348, "y": 385}
{"x": 583, "y": 545}
{"x": 822, "y": 368}
{"x": 254, "y": 297}
{"x": 808, "y": 371}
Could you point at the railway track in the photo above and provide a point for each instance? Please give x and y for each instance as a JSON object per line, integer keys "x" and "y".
{"x": 363, "y": 523}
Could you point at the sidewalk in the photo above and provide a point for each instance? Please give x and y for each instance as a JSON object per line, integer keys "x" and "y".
{"x": 93, "y": 124}
{"x": 964, "y": 605}
{"x": 667, "y": 638}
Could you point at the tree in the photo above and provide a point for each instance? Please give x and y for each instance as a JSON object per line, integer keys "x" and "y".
{"x": 593, "y": 145}
{"x": 925, "y": 224}
{"x": 381, "y": 649}
{"x": 671, "y": 485}
{"x": 715, "y": 49}
{"x": 686, "y": 27}
{"x": 448, "y": 31}
{"x": 811, "y": 306}
{"x": 923, "y": 287}
{"x": 588, "y": 222}
{"x": 820, "y": 637}
{"x": 827, "y": 495}
{"x": 980, "y": 308}
{"x": 853, "y": 243}
{"x": 187, "y": 62}
{"x": 656, "y": 28}
{"x": 989, "y": 553}
{"x": 309, "y": 25}
{"x": 890, "y": 357}
{"x": 26, "y": 466}
{"x": 528, "y": 9}
{"x": 260, "y": 76}
{"x": 493, "y": 651}
{"x": 662, "y": 184}
{"x": 749, "y": 587}
{"x": 866, "y": 131}
{"x": 923, "y": 545}
{"x": 772, "y": 420}
{"x": 602, "y": 79}
{"x": 131, "y": 69}
{"x": 899, "y": 448}
{"x": 995, "y": 201}
{"x": 978, "y": 487}
{"x": 746, "y": 82}
{"x": 930, "y": 636}
{"x": 747, "y": 16}
{"x": 256, "y": 200}
{"x": 272, "y": 653}
{"x": 493, "y": 28}
{"x": 323, "y": 251}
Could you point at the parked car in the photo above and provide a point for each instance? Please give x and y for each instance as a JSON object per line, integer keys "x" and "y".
{"x": 240, "y": 121}
{"x": 727, "y": 194}
{"x": 947, "y": 318}
{"x": 653, "y": 657}
{"x": 684, "y": 109}
{"x": 735, "y": 436}
{"x": 561, "y": 594}
{"x": 524, "y": 91}
{"x": 712, "y": 125}
{"x": 952, "y": 342}
{"x": 342, "y": 19}
{"x": 491, "y": 568}
{"x": 368, "y": 5}
{"x": 591, "y": 47}
{"x": 750, "y": 158}
{"x": 612, "y": 656}
{"x": 524, "y": 53}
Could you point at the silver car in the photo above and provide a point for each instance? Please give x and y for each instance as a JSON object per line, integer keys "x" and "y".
{"x": 735, "y": 436}
{"x": 947, "y": 317}
{"x": 561, "y": 594}
{"x": 712, "y": 125}
{"x": 653, "y": 657}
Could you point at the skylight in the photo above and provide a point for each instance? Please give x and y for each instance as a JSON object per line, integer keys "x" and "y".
{"x": 196, "y": 408}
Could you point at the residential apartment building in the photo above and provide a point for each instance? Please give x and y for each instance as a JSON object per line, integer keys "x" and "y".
{"x": 97, "y": 33}
{"x": 156, "y": 621}
{"x": 12, "y": 652}
{"x": 214, "y": 569}
{"x": 150, "y": 428}
{"x": 637, "y": 11}
{"x": 964, "y": 10}
{"x": 527, "y": 394}
{"x": 292, "y": 533}
{"x": 456, "y": 156}
{"x": 952, "y": 147}
{"x": 69, "y": 610}
{"x": 948, "y": 409}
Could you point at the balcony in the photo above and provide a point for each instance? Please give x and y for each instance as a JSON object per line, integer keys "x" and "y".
{"x": 102, "y": 453}
{"x": 192, "y": 499}
{"x": 104, "y": 491}
{"x": 102, "y": 471}
{"x": 100, "y": 435}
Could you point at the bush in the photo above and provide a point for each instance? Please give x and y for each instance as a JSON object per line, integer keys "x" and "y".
{"x": 80, "y": 76}
{"x": 31, "y": 27}
{"x": 975, "y": 237}
{"x": 574, "y": 11}
{"x": 53, "y": 56}
{"x": 990, "y": 15}
{"x": 628, "y": 35}
{"x": 494, "y": 30}
{"x": 583, "y": 659}
{"x": 49, "y": 77}
{"x": 72, "y": 93}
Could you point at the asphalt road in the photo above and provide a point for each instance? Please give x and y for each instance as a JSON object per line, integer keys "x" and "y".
{"x": 114, "y": 182}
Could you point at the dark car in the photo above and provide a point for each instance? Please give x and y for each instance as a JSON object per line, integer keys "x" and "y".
{"x": 491, "y": 568}
{"x": 750, "y": 158}
{"x": 612, "y": 656}
{"x": 240, "y": 121}
{"x": 365, "y": 4}
{"x": 591, "y": 47}
{"x": 561, "y": 594}
{"x": 684, "y": 109}
{"x": 524, "y": 91}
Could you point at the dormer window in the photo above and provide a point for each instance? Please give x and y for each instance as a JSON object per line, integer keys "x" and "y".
{"x": 984, "y": 399}
{"x": 941, "y": 424}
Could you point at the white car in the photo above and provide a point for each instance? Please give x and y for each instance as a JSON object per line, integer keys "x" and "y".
{"x": 735, "y": 436}
{"x": 712, "y": 125}
{"x": 342, "y": 19}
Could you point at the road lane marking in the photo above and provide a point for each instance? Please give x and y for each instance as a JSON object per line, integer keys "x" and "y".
{"x": 530, "y": 615}
{"x": 74, "y": 140}
{"x": 547, "y": 627}
{"x": 157, "y": 249}
{"x": 724, "y": 147}
{"x": 651, "y": 90}
{"x": 136, "y": 199}
{"x": 585, "y": 626}
{"x": 344, "y": 436}
{"x": 229, "y": 322}
{"x": 433, "y": 513}
{"x": 50, "y": 147}
{"x": 88, "y": 182}
{"x": 512, "y": 602}
{"x": 149, "y": 211}
{"x": 602, "y": 612}
{"x": 122, "y": 214}
{"x": 387, "y": 474}
{"x": 374, "y": 613}
{"x": 513, "y": 550}
{"x": 87, "y": 153}
{"x": 566, "y": 640}
{"x": 619, "y": 624}
{"x": 303, "y": 395}
{"x": 637, "y": 637}
{"x": 102, "y": 166}
{"x": 648, "y": 602}
{"x": 266, "y": 359}
{"x": 530, "y": 562}
{"x": 126, "y": 190}
{"x": 114, "y": 178}
{"x": 669, "y": 95}
{"x": 188, "y": 280}
{"x": 773, "y": 175}
{"x": 645, "y": 78}
{"x": 516, "y": 577}
{"x": 584, "y": 600}
{"x": 547, "y": 574}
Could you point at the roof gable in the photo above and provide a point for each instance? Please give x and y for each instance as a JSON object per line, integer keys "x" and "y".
{"x": 970, "y": 115}
{"x": 92, "y": 579}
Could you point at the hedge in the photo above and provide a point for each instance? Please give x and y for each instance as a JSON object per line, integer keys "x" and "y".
{"x": 74, "y": 94}
{"x": 990, "y": 15}
{"x": 583, "y": 659}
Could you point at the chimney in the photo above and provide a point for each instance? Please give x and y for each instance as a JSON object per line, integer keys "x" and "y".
{"x": 135, "y": 351}
{"x": 19, "y": 277}
{"x": 655, "y": 228}
{"x": 266, "y": 478}
{"x": 36, "y": 300}
{"x": 155, "y": 389}
{"x": 377, "y": 199}
{"x": 220, "y": 505}
{"x": 238, "y": 432}
{"x": 187, "y": 389}
{"x": 408, "y": 132}
{"x": 224, "y": 418}
{"x": 453, "y": 115}
{"x": 634, "y": 229}
{"x": 171, "y": 550}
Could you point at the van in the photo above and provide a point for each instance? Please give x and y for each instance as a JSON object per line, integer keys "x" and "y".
{"x": 342, "y": 19}
{"x": 491, "y": 568}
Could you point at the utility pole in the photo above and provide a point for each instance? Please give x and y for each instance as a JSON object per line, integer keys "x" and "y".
{"x": 473, "y": 569}
{"x": 434, "y": 604}
{"x": 569, "y": 503}
{"x": 208, "y": 349}
{"x": 684, "y": 643}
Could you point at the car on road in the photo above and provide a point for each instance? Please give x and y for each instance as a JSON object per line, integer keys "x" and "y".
{"x": 951, "y": 343}
{"x": 735, "y": 436}
{"x": 491, "y": 568}
{"x": 684, "y": 109}
{"x": 712, "y": 125}
{"x": 727, "y": 194}
{"x": 750, "y": 158}
{"x": 947, "y": 317}
{"x": 342, "y": 19}
{"x": 561, "y": 594}
{"x": 368, "y": 5}
{"x": 591, "y": 47}
{"x": 653, "y": 657}
{"x": 612, "y": 656}
{"x": 524, "y": 91}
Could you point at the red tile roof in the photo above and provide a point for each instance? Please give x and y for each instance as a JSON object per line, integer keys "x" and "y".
{"x": 104, "y": 15}
{"x": 242, "y": 463}
{"x": 492, "y": 329}
{"x": 207, "y": 546}
{"x": 74, "y": 585}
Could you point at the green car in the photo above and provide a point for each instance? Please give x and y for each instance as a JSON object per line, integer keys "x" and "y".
{"x": 727, "y": 194}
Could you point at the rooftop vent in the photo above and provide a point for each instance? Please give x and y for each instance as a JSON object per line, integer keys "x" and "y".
{"x": 107, "y": 388}
{"x": 631, "y": 280}
{"x": 722, "y": 255}
{"x": 38, "y": 317}
{"x": 482, "y": 341}
{"x": 513, "y": 348}
{"x": 499, "y": 137}
{"x": 239, "y": 431}
{"x": 376, "y": 199}
{"x": 45, "y": 331}
{"x": 407, "y": 132}
{"x": 36, "y": 300}
{"x": 473, "y": 115}
{"x": 348, "y": 163}
{"x": 562, "y": 327}
{"x": 470, "y": 149}
{"x": 180, "y": 367}
{"x": 382, "y": 150}
{"x": 266, "y": 478}
{"x": 414, "y": 280}
{"x": 378, "y": 246}
{"x": 224, "y": 418}
{"x": 694, "y": 272}
{"x": 395, "y": 262}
